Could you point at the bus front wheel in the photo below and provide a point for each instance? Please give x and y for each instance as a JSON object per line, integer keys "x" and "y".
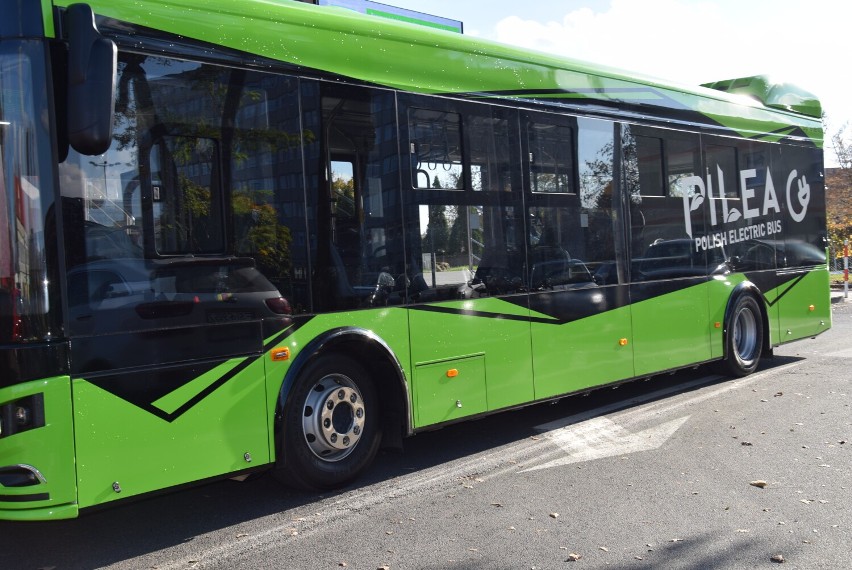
{"x": 330, "y": 429}
{"x": 744, "y": 341}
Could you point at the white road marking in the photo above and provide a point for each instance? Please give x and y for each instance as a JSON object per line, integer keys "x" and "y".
{"x": 845, "y": 353}
{"x": 600, "y": 437}
{"x": 589, "y": 435}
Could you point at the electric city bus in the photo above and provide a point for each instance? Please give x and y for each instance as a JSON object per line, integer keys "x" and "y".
{"x": 238, "y": 236}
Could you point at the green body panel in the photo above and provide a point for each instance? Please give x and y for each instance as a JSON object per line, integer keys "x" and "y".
{"x": 47, "y": 13}
{"x": 450, "y": 389}
{"x": 672, "y": 330}
{"x": 804, "y": 309}
{"x": 772, "y": 94}
{"x": 719, "y": 290}
{"x": 772, "y": 312}
{"x": 437, "y": 336}
{"x": 581, "y": 354}
{"x": 118, "y": 442}
{"x": 49, "y": 449}
{"x": 408, "y": 57}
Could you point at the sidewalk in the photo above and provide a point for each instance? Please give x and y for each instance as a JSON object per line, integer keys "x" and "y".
{"x": 837, "y": 297}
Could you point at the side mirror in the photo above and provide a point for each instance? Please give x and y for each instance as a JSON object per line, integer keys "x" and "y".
{"x": 92, "y": 67}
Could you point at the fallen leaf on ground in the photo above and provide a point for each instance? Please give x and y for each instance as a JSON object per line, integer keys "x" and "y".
{"x": 759, "y": 483}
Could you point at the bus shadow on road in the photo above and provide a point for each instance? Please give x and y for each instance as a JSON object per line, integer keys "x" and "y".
{"x": 141, "y": 528}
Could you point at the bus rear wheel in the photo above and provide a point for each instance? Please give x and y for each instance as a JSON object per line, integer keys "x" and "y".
{"x": 744, "y": 342}
{"x": 330, "y": 430}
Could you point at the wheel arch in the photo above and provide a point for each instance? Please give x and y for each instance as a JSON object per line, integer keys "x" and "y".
{"x": 746, "y": 288}
{"x": 380, "y": 362}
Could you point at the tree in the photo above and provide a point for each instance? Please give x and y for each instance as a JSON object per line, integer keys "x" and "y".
{"x": 838, "y": 190}
{"x": 438, "y": 231}
{"x": 457, "y": 241}
{"x": 260, "y": 234}
{"x": 842, "y": 146}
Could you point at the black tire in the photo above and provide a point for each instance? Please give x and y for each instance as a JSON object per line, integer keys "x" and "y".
{"x": 330, "y": 431}
{"x": 744, "y": 339}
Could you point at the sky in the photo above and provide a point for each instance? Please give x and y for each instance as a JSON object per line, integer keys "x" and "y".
{"x": 806, "y": 43}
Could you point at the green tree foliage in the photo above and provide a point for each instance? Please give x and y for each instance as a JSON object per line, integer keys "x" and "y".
{"x": 142, "y": 108}
{"x": 838, "y": 191}
{"x": 457, "y": 239}
{"x": 437, "y": 235}
{"x": 260, "y": 233}
{"x": 343, "y": 195}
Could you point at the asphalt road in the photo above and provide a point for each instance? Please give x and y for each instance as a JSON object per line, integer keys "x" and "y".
{"x": 683, "y": 471}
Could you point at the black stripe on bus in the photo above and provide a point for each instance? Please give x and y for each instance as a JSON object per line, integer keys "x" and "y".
{"x": 145, "y": 399}
{"x": 24, "y": 498}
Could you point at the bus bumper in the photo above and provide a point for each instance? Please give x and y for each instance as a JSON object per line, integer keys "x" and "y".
{"x": 37, "y": 474}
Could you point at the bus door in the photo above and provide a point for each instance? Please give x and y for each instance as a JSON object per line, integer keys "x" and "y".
{"x": 469, "y": 320}
{"x": 669, "y": 273}
{"x": 357, "y": 255}
{"x": 575, "y": 264}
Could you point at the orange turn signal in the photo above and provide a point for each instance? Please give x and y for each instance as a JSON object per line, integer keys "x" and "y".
{"x": 622, "y": 342}
{"x": 280, "y": 354}
{"x": 452, "y": 373}
{"x": 811, "y": 307}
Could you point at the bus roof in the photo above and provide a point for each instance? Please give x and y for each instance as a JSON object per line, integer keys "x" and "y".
{"x": 423, "y": 60}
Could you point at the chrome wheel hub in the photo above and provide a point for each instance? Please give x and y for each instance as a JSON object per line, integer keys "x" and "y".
{"x": 745, "y": 335}
{"x": 333, "y": 417}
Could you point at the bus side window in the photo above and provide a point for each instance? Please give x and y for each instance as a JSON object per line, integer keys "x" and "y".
{"x": 657, "y": 164}
{"x": 186, "y": 196}
{"x": 551, "y": 156}
{"x": 571, "y": 228}
{"x": 465, "y": 224}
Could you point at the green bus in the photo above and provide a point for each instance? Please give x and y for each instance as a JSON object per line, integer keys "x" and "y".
{"x": 238, "y": 236}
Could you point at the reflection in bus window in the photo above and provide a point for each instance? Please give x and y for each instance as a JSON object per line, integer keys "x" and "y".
{"x": 489, "y": 156}
{"x": 551, "y": 158}
{"x": 436, "y": 149}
